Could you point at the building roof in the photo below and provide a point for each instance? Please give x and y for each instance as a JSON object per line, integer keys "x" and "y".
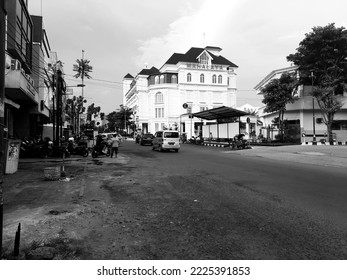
{"x": 222, "y": 112}
{"x": 213, "y": 48}
{"x": 192, "y": 55}
{"x": 175, "y": 58}
{"x": 151, "y": 71}
{"x": 128, "y": 76}
{"x": 273, "y": 73}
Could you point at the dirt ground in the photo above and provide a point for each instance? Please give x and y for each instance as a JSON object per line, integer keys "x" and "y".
{"x": 124, "y": 209}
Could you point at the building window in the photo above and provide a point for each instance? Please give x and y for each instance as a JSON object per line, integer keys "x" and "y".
{"x": 162, "y": 79}
{"x": 159, "y": 113}
{"x": 189, "y": 77}
{"x": 202, "y": 78}
{"x": 159, "y": 98}
{"x": 156, "y": 80}
{"x": 204, "y": 58}
{"x": 203, "y": 108}
{"x": 339, "y": 125}
{"x": 220, "y": 79}
{"x": 214, "y": 79}
{"x": 174, "y": 79}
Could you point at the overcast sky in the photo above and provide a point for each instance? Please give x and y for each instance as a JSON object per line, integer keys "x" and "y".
{"x": 121, "y": 37}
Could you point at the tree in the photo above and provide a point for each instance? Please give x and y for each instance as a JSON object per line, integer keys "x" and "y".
{"x": 277, "y": 94}
{"x": 74, "y": 108}
{"x": 82, "y": 68}
{"x": 92, "y": 111}
{"x": 118, "y": 120}
{"x": 322, "y": 53}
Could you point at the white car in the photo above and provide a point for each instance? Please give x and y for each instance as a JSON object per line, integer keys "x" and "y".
{"x": 166, "y": 140}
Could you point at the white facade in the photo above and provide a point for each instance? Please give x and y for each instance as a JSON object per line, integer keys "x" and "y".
{"x": 201, "y": 78}
{"x": 301, "y": 113}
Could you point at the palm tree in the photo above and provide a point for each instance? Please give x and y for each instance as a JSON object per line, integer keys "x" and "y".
{"x": 83, "y": 69}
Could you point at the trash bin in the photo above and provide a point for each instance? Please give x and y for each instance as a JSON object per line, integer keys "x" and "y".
{"x": 12, "y": 156}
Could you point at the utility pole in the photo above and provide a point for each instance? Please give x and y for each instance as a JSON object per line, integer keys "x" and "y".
{"x": 82, "y": 76}
{"x": 2, "y": 113}
{"x": 313, "y": 115}
{"x": 59, "y": 107}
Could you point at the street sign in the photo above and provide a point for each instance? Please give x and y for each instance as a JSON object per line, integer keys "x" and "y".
{"x": 69, "y": 91}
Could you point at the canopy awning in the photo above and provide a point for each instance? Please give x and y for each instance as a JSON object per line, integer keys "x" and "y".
{"x": 222, "y": 112}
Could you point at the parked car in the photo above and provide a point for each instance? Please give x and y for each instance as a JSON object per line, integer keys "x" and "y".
{"x": 166, "y": 140}
{"x": 146, "y": 139}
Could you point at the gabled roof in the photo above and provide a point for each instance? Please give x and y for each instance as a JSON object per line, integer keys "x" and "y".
{"x": 151, "y": 71}
{"x": 192, "y": 54}
{"x": 222, "y": 112}
{"x": 128, "y": 76}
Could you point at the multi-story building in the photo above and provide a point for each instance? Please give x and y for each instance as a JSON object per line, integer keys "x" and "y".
{"x": 27, "y": 77}
{"x": 303, "y": 116}
{"x": 187, "y": 83}
{"x": 41, "y": 70}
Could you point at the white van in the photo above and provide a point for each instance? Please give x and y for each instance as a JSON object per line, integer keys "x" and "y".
{"x": 166, "y": 140}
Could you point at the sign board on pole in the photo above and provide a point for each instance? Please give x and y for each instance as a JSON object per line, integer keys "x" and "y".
{"x": 69, "y": 91}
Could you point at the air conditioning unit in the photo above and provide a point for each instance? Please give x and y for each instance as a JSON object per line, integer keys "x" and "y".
{"x": 319, "y": 120}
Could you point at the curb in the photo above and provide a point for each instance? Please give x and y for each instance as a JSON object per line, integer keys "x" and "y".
{"x": 324, "y": 144}
{"x": 216, "y": 145}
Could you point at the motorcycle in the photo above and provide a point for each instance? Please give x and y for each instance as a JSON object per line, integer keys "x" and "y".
{"x": 196, "y": 140}
{"x": 36, "y": 148}
{"x": 100, "y": 148}
{"x": 238, "y": 142}
{"x": 75, "y": 149}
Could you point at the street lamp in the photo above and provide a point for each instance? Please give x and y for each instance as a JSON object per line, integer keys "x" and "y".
{"x": 313, "y": 114}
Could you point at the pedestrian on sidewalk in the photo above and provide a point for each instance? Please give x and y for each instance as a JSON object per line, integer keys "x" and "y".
{"x": 115, "y": 145}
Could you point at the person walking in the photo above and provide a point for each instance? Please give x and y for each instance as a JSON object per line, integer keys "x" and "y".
{"x": 115, "y": 145}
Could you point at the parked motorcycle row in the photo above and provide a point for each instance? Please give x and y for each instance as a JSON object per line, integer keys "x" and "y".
{"x": 41, "y": 149}
{"x": 33, "y": 148}
{"x": 237, "y": 142}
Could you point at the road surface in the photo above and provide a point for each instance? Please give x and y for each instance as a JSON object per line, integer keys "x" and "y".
{"x": 200, "y": 203}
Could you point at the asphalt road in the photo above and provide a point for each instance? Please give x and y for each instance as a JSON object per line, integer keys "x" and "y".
{"x": 200, "y": 203}
{"x": 312, "y": 184}
{"x": 296, "y": 190}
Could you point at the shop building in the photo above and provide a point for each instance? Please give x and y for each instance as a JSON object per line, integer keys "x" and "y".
{"x": 303, "y": 117}
{"x": 27, "y": 72}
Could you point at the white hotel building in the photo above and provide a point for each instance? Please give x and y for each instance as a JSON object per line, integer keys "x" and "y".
{"x": 200, "y": 78}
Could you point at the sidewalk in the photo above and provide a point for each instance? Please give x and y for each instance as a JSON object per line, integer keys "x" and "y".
{"x": 308, "y": 154}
